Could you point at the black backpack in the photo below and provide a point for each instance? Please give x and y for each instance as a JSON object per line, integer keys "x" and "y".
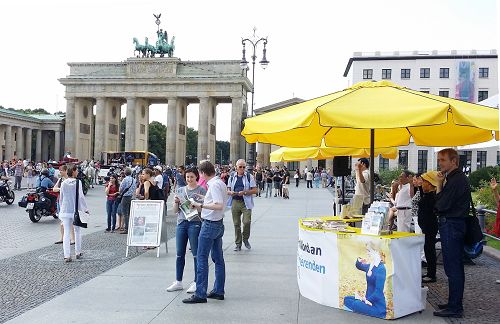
{"x": 155, "y": 193}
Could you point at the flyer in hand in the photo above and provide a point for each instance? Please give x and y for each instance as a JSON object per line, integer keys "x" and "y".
{"x": 189, "y": 213}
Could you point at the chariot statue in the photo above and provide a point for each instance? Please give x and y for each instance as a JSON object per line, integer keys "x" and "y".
{"x": 161, "y": 47}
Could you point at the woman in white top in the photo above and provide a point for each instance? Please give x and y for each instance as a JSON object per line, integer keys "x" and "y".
{"x": 67, "y": 199}
{"x": 63, "y": 172}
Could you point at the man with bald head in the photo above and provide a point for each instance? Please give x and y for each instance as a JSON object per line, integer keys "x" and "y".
{"x": 241, "y": 187}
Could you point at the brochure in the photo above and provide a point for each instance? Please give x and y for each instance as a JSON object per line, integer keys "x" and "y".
{"x": 189, "y": 213}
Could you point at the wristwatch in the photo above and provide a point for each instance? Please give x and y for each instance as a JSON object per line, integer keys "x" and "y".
{"x": 201, "y": 206}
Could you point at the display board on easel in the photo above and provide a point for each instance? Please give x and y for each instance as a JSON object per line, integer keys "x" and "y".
{"x": 145, "y": 224}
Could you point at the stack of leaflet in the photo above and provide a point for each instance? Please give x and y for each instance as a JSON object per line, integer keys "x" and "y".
{"x": 375, "y": 218}
{"x": 330, "y": 225}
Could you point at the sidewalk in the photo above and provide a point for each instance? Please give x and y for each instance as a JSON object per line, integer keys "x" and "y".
{"x": 261, "y": 284}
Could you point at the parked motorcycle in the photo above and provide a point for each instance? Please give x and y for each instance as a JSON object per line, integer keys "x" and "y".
{"x": 6, "y": 193}
{"x": 39, "y": 204}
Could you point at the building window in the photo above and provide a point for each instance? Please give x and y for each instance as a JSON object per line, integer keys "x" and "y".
{"x": 383, "y": 164}
{"x": 182, "y": 129}
{"x": 367, "y": 74}
{"x": 113, "y": 129}
{"x": 405, "y": 73}
{"x": 386, "y": 74}
{"x": 424, "y": 91}
{"x": 292, "y": 166}
{"x": 484, "y": 72}
{"x": 465, "y": 161}
{"x": 142, "y": 129}
{"x": 425, "y": 73}
{"x": 444, "y": 93}
{"x": 444, "y": 73}
{"x": 422, "y": 161}
{"x": 482, "y": 95}
{"x": 481, "y": 159}
{"x": 403, "y": 159}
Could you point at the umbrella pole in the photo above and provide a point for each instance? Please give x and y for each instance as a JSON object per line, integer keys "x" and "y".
{"x": 372, "y": 160}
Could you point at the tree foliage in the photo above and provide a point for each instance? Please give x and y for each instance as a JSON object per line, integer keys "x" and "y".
{"x": 191, "y": 145}
{"x": 484, "y": 174}
{"x": 37, "y": 111}
{"x": 222, "y": 149}
{"x": 157, "y": 138}
{"x": 386, "y": 176}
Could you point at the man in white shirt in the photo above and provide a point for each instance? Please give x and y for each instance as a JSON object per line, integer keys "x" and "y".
{"x": 362, "y": 187}
{"x": 158, "y": 176}
{"x": 403, "y": 201}
{"x": 210, "y": 237}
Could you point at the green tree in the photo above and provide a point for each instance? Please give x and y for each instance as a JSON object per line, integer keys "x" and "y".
{"x": 191, "y": 145}
{"x": 123, "y": 123}
{"x": 37, "y": 111}
{"x": 157, "y": 139}
{"x": 386, "y": 176}
{"x": 222, "y": 150}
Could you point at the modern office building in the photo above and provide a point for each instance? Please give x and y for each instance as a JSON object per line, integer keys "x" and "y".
{"x": 466, "y": 75}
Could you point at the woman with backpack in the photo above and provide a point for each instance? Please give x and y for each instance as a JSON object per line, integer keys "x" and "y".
{"x": 151, "y": 191}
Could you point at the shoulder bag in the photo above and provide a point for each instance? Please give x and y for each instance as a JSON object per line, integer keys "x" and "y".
{"x": 120, "y": 194}
{"x": 77, "y": 221}
{"x": 473, "y": 239}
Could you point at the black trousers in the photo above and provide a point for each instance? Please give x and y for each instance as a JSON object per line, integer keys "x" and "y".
{"x": 430, "y": 252}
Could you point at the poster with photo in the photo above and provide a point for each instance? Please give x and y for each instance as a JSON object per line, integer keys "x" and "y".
{"x": 365, "y": 275}
{"x": 145, "y": 222}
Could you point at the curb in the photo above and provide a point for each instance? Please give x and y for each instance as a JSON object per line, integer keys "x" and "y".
{"x": 492, "y": 252}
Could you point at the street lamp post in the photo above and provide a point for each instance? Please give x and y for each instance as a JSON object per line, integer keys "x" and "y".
{"x": 244, "y": 65}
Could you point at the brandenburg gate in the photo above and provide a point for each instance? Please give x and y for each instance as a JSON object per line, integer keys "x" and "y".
{"x": 140, "y": 82}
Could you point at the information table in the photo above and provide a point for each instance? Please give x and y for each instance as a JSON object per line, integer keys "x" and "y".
{"x": 378, "y": 276}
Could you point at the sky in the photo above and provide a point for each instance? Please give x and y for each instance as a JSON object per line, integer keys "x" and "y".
{"x": 309, "y": 42}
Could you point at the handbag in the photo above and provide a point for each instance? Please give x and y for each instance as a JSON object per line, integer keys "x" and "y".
{"x": 473, "y": 238}
{"x": 77, "y": 221}
{"x": 119, "y": 197}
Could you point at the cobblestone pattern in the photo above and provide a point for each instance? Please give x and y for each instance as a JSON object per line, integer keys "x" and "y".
{"x": 32, "y": 278}
{"x": 481, "y": 295}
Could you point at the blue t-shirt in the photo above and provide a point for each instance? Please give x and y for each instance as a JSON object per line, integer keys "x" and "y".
{"x": 238, "y": 186}
{"x": 179, "y": 179}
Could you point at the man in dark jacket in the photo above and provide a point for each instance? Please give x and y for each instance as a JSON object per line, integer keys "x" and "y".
{"x": 453, "y": 198}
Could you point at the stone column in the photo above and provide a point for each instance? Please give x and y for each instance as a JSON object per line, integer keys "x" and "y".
{"x": 170, "y": 157}
{"x": 234, "y": 142}
{"x": 19, "y": 143}
{"x": 1, "y": 142}
{"x": 8, "y": 143}
{"x": 266, "y": 154}
{"x": 130, "y": 127}
{"x": 329, "y": 165}
{"x": 29, "y": 135}
{"x": 180, "y": 142}
{"x": 38, "y": 152}
{"x": 71, "y": 128}
{"x": 203, "y": 129}
{"x": 45, "y": 145}
{"x": 100, "y": 125}
{"x": 57, "y": 145}
{"x": 212, "y": 125}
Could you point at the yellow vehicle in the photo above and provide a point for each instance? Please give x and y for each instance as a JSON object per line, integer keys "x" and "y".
{"x": 129, "y": 157}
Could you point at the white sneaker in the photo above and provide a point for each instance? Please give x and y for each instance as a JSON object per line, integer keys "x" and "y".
{"x": 176, "y": 285}
{"x": 192, "y": 288}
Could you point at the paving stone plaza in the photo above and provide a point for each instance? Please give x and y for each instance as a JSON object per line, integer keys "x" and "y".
{"x": 37, "y": 287}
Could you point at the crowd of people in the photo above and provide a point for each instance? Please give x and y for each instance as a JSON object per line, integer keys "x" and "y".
{"x": 432, "y": 203}
{"x": 429, "y": 203}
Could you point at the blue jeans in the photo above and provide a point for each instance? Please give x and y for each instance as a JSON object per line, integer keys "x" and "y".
{"x": 111, "y": 206}
{"x": 186, "y": 231}
{"x": 210, "y": 239}
{"x": 452, "y": 232}
{"x": 269, "y": 189}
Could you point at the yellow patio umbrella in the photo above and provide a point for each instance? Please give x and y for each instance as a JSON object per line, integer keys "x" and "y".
{"x": 375, "y": 114}
{"x": 285, "y": 154}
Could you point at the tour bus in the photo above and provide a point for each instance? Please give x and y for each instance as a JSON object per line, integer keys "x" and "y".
{"x": 128, "y": 157}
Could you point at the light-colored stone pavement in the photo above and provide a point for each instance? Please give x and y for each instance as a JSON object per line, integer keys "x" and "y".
{"x": 261, "y": 284}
